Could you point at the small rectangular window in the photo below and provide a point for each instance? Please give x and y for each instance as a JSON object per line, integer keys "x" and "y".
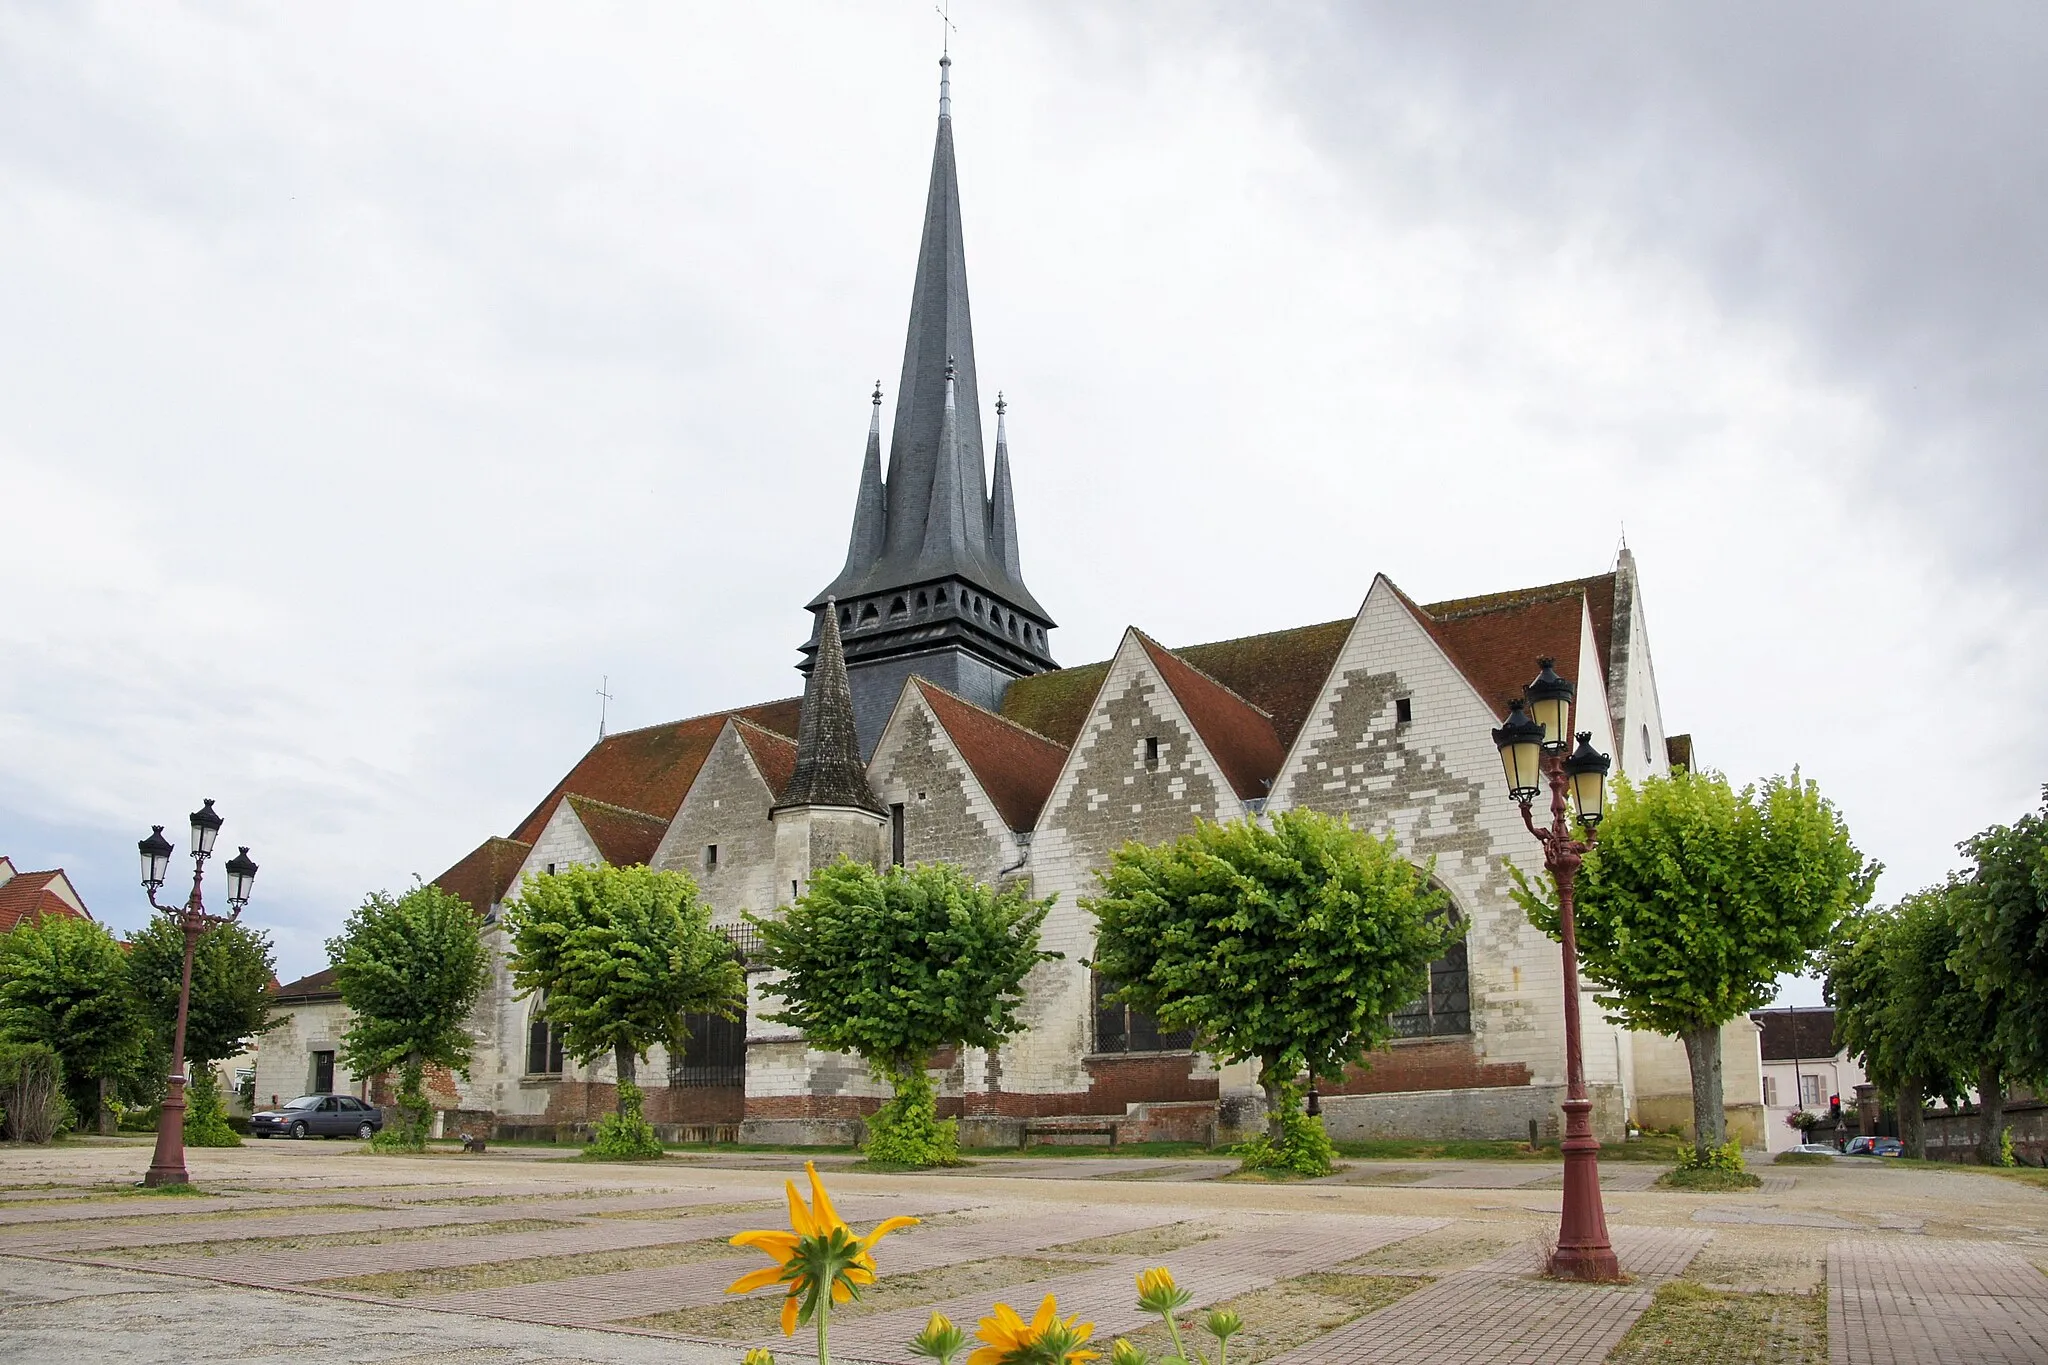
{"x": 551, "y": 869}
{"x": 1151, "y": 752}
{"x": 1770, "y": 1092}
{"x": 711, "y": 857}
{"x": 896, "y": 834}
{"x": 1404, "y": 710}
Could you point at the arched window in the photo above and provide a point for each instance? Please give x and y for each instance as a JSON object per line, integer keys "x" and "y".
{"x": 1445, "y": 1009}
{"x": 543, "y": 1044}
{"x": 868, "y": 613}
{"x": 924, "y": 603}
{"x": 1121, "y": 1028}
{"x": 898, "y": 608}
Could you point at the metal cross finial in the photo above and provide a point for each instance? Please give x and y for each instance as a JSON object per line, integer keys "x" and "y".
{"x": 1001, "y": 406}
{"x": 945, "y": 13}
{"x": 878, "y": 393}
{"x": 604, "y": 705}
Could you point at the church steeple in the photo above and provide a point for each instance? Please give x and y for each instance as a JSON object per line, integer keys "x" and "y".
{"x": 932, "y": 583}
{"x": 829, "y": 770}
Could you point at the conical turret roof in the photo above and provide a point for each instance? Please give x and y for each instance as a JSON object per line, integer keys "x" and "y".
{"x": 829, "y": 771}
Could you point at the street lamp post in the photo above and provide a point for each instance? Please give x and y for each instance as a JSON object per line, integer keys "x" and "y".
{"x": 167, "y": 1167}
{"x": 1532, "y": 746}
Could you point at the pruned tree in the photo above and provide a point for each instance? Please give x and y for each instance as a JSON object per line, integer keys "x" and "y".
{"x": 1292, "y": 944}
{"x": 64, "y": 982}
{"x": 2001, "y": 918}
{"x": 410, "y": 970}
{"x": 1896, "y": 998}
{"x": 892, "y": 966}
{"x": 1696, "y": 899}
{"x": 619, "y": 956}
{"x": 232, "y": 968}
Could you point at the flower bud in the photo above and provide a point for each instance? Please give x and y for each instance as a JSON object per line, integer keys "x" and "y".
{"x": 1122, "y": 1352}
{"x": 1157, "y": 1293}
{"x": 757, "y": 1356}
{"x": 1224, "y": 1324}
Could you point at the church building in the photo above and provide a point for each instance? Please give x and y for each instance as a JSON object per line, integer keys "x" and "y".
{"x": 935, "y": 724}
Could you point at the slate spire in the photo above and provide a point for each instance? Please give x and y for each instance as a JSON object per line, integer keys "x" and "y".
{"x": 1002, "y": 507}
{"x": 946, "y": 523}
{"x": 829, "y": 771}
{"x": 870, "y": 508}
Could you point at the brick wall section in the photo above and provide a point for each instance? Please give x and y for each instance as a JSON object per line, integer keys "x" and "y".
{"x": 1443, "y": 1064}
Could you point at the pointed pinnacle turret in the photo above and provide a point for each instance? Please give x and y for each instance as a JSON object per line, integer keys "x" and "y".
{"x": 946, "y": 529}
{"x": 1002, "y": 507}
{"x": 870, "y": 509}
{"x": 828, "y": 767}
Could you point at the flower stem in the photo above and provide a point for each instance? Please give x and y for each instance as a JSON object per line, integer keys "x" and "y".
{"x": 1178, "y": 1348}
{"x": 824, "y": 1312}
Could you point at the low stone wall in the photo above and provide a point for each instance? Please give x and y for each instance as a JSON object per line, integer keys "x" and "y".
{"x": 1468, "y": 1115}
{"x": 1953, "y": 1136}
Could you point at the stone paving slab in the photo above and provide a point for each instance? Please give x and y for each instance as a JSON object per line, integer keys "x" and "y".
{"x": 1892, "y": 1302}
{"x": 616, "y": 1297}
{"x": 1500, "y": 1313}
{"x": 126, "y": 1233}
{"x": 1267, "y": 1250}
{"x": 1485, "y": 1178}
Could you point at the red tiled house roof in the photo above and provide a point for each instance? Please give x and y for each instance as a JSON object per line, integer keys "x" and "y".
{"x": 1238, "y": 735}
{"x": 1015, "y": 766}
{"x": 485, "y": 874}
{"x": 650, "y": 770}
{"x": 773, "y": 754}
{"x": 1496, "y": 640}
{"x": 28, "y": 894}
{"x": 625, "y": 838}
{"x": 319, "y": 986}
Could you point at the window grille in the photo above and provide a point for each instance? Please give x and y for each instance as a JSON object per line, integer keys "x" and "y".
{"x": 715, "y": 1055}
{"x": 1120, "y": 1028}
{"x": 1445, "y": 1009}
{"x": 543, "y": 1046}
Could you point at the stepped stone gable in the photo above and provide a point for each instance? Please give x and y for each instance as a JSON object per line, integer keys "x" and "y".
{"x": 1114, "y": 797}
{"x": 946, "y": 815}
{"x": 727, "y": 809}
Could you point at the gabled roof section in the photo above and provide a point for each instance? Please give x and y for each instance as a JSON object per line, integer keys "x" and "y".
{"x": 774, "y": 755}
{"x": 485, "y": 873}
{"x": 32, "y": 895}
{"x": 1280, "y": 672}
{"x": 308, "y": 989}
{"x": 1015, "y": 766}
{"x": 651, "y": 769}
{"x": 1796, "y": 1034}
{"x": 1238, "y": 735}
{"x": 1502, "y": 616}
{"x": 625, "y": 838}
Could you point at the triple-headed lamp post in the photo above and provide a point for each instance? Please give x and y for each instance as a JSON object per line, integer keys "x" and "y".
{"x": 1532, "y": 748}
{"x": 167, "y": 1167}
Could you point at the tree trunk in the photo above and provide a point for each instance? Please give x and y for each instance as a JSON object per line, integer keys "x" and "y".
{"x": 1912, "y": 1119}
{"x": 1275, "y": 1086}
{"x": 623, "y": 1055}
{"x": 1709, "y": 1119}
{"x": 103, "y": 1118}
{"x": 1990, "y": 1116}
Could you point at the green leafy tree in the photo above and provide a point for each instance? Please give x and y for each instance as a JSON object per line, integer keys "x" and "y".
{"x": 64, "y": 982}
{"x": 1292, "y": 944}
{"x": 410, "y": 970}
{"x": 893, "y": 966}
{"x": 232, "y": 968}
{"x": 2001, "y": 916}
{"x": 1696, "y": 899}
{"x": 619, "y": 956}
{"x": 1895, "y": 998}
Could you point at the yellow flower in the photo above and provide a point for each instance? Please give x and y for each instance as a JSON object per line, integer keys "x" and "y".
{"x": 818, "y": 1251}
{"x": 757, "y": 1356}
{"x": 1011, "y": 1340}
{"x": 1157, "y": 1293}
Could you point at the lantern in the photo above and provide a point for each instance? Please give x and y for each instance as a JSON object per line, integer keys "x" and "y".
{"x": 1550, "y": 703}
{"x": 1520, "y": 742}
{"x": 241, "y": 877}
{"x": 156, "y": 857}
{"x": 1586, "y": 770}
{"x": 206, "y": 823}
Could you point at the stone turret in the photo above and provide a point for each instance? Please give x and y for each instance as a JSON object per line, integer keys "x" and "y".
{"x": 827, "y": 808}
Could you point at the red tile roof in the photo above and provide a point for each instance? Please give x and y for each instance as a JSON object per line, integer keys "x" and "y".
{"x": 1498, "y": 638}
{"x": 1238, "y": 735}
{"x": 1015, "y": 766}
{"x": 28, "y": 894}
{"x": 774, "y": 755}
{"x": 625, "y": 838}
{"x": 650, "y": 770}
{"x": 485, "y": 874}
{"x": 319, "y": 986}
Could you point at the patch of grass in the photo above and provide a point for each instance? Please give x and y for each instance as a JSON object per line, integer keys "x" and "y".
{"x": 904, "y": 1168}
{"x": 691, "y": 1210}
{"x": 1145, "y": 1241}
{"x": 1650, "y": 1147}
{"x": 1283, "y": 1316}
{"x": 1398, "y": 1176}
{"x": 411, "y": 1284}
{"x": 142, "y": 1220}
{"x": 755, "y": 1315}
{"x": 245, "y": 1246}
{"x": 1802, "y": 1159}
{"x": 1707, "y": 1181}
{"x": 1690, "y": 1325}
{"x": 1178, "y": 1172}
{"x": 85, "y": 1192}
{"x": 1271, "y": 1175}
{"x": 1181, "y": 1150}
{"x": 1447, "y": 1248}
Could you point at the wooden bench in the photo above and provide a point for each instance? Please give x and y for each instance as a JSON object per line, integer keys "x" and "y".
{"x": 1082, "y": 1126}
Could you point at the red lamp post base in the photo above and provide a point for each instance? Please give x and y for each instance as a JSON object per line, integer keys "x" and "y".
{"x": 167, "y": 1167}
{"x": 1583, "y": 1250}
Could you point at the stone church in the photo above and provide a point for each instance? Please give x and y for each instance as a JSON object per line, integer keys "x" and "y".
{"x": 935, "y": 724}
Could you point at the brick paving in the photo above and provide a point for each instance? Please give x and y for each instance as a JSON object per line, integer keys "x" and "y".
{"x": 1500, "y": 1313}
{"x": 1897, "y": 1302}
{"x": 1268, "y": 1250}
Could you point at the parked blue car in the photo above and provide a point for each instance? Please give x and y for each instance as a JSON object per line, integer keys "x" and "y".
{"x": 318, "y": 1116}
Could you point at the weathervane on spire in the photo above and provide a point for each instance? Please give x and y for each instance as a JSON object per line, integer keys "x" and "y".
{"x": 946, "y": 32}
{"x": 606, "y": 698}
{"x": 1001, "y": 406}
{"x": 878, "y": 393}
{"x": 945, "y": 13}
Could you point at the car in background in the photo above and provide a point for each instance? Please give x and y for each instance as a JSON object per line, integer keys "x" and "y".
{"x": 1875, "y": 1146}
{"x": 1890, "y": 1147}
{"x": 1816, "y": 1149}
{"x": 318, "y": 1116}
{"x": 1860, "y": 1146}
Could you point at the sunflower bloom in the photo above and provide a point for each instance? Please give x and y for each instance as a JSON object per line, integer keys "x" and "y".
{"x": 1013, "y": 1341}
{"x": 820, "y": 1259}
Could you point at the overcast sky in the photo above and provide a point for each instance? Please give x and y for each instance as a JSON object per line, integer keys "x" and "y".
{"x": 375, "y": 379}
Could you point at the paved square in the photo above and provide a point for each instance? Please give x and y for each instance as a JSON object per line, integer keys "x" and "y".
{"x": 525, "y": 1257}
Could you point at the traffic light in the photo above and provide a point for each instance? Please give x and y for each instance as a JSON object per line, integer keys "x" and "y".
{"x": 1835, "y": 1106}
